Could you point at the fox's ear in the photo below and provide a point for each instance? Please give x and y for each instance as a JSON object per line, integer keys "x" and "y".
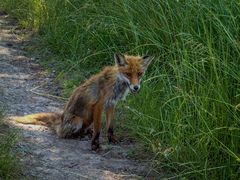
{"x": 120, "y": 59}
{"x": 147, "y": 60}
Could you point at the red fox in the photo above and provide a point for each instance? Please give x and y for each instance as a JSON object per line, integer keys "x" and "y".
{"x": 101, "y": 92}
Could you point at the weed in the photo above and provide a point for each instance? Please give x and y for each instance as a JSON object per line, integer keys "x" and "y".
{"x": 9, "y": 165}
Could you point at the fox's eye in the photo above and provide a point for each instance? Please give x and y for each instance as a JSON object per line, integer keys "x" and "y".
{"x": 128, "y": 74}
{"x": 140, "y": 74}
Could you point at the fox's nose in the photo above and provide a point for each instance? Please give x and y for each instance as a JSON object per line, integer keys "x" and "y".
{"x": 136, "y": 88}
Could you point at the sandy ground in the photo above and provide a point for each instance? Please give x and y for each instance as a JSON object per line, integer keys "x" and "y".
{"x": 45, "y": 156}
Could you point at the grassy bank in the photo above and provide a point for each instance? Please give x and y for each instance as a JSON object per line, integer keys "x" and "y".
{"x": 9, "y": 166}
{"x": 186, "y": 112}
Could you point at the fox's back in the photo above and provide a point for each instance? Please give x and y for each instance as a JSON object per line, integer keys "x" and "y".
{"x": 98, "y": 86}
{"x": 109, "y": 85}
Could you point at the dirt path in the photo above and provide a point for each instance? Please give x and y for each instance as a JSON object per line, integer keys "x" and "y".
{"x": 44, "y": 154}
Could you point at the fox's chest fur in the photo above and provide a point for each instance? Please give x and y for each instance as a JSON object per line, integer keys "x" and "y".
{"x": 119, "y": 92}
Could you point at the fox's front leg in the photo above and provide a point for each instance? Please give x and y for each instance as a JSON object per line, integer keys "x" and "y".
{"x": 97, "y": 124}
{"x": 109, "y": 115}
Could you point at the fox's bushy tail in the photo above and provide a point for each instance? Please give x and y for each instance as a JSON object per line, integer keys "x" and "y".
{"x": 47, "y": 119}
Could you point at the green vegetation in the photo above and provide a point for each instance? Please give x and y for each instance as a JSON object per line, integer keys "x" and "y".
{"x": 186, "y": 112}
{"x": 9, "y": 167}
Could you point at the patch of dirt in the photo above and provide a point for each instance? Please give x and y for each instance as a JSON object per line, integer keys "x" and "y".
{"x": 45, "y": 156}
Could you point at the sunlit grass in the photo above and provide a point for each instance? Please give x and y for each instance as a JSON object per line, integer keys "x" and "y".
{"x": 186, "y": 112}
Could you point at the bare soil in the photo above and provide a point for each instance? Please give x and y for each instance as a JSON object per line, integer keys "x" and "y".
{"x": 24, "y": 88}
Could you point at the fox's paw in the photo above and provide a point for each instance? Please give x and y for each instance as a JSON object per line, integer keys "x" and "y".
{"x": 112, "y": 140}
{"x": 95, "y": 146}
{"x": 89, "y": 133}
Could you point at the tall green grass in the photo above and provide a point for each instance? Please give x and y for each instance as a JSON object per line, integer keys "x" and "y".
{"x": 186, "y": 112}
{"x": 9, "y": 165}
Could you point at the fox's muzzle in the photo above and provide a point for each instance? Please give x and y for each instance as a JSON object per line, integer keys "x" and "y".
{"x": 134, "y": 88}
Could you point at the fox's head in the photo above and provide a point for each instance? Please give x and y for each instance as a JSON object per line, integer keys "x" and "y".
{"x": 131, "y": 69}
